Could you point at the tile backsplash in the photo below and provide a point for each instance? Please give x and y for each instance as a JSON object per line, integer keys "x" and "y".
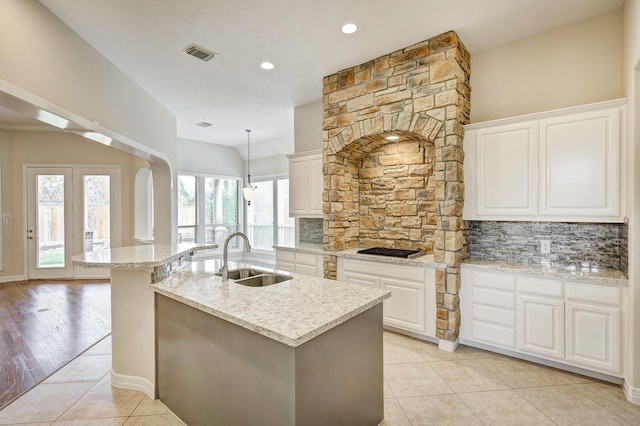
{"x": 602, "y": 243}
{"x": 310, "y": 230}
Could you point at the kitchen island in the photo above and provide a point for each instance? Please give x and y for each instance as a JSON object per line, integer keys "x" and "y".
{"x": 303, "y": 351}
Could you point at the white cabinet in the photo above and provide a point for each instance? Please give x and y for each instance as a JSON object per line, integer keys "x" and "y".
{"x": 412, "y": 306}
{"x": 506, "y": 169}
{"x": 573, "y": 323}
{"x": 300, "y": 262}
{"x": 490, "y": 314}
{"x": 562, "y": 165}
{"x": 285, "y": 260}
{"x": 305, "y": 184}
{"x": 594, "y": 327}
{"x": 580, "y": 160}
{"x": 540, "y": 317}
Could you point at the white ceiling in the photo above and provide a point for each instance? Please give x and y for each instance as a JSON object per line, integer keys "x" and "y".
{"x": 146, "y": 38}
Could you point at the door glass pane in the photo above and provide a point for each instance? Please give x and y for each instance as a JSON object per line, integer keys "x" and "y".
{"x": 286, "y": 224}
{"x": 97, "y": 212}
{"x": 260, "y": 216}
{"x": 50, "y": 221}
{"x": 187, "y": 214}
{"x": 220, "y": 210}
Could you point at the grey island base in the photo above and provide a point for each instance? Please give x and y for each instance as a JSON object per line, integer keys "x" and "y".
{"x": 213, "y": 372}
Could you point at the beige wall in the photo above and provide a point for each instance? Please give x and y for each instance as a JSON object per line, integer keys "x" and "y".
{"x": 308, "y": 127}
{"x": 631, "y": 81}
{"x": 573, "y": 65}
{"x": 18, "y": 148}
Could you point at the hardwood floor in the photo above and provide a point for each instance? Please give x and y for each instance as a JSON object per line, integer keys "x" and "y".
{"x": 44, "y": 324}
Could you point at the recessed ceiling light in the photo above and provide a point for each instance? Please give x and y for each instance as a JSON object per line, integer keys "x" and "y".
{"x": 204, "y": 124}
{"x": 349, "y": 28}
{"x": 266, "y": 66}
{"x": 392, "y": 138}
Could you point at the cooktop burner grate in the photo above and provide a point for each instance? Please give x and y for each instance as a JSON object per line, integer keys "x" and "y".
{"x": 382, "y": 251}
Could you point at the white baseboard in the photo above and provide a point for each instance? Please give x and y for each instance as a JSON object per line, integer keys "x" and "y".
{"x": 134, "y": 383}
{"x": 12, "y": 278}
{"x": 448, "y": 346}
{"x": 632, "y": 394}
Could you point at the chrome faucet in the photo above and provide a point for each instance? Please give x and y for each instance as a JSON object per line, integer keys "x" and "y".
{"x": 225, "y": 260}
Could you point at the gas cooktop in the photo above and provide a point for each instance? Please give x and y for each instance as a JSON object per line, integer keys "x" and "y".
{"x": 382, "y": 251}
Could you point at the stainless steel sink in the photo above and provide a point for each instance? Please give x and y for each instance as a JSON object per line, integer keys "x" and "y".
{"x": 263, "y": 280}
{"x": 255, "y": 277}
{"x": 236, "y": 274}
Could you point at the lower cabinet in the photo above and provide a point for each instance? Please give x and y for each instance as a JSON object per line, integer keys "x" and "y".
{"x": 412, "y": 305}
{"x": 575, "y": 323}
{"x": 300, "y": 263}
{"x": 540, "y": 317}
{"x": 489, "y": 308}
{"x": 593, "y": 316}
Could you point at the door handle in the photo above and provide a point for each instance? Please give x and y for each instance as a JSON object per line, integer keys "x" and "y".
{"x": 29, "y": 237}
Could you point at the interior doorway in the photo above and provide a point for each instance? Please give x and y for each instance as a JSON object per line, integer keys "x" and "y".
{"x": 70, "y": 210}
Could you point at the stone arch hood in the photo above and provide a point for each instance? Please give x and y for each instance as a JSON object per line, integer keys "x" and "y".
{"x": 407, "y": 193}
{"x": 353, "y": 140}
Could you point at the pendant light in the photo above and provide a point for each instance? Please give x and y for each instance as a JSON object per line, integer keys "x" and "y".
{"x": 248, "y": 190}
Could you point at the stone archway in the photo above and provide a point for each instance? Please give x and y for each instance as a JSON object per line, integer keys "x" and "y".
{"x": 420, "y": 94}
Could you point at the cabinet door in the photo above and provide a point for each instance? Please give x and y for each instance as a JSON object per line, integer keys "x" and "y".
{"x": 580, "y": 165}
{"x": 360, "y": 279}
{"x": 540, "y": 326}
{"x": 506, "y": 170}
{"x": 285, "y": 266}
{"x": 316, "y": 184}
{"x": 306, "y": 270}
{"x": 405, "y": 307}
{"x": 298, "y": 192}
{"x": 593, "y": 337}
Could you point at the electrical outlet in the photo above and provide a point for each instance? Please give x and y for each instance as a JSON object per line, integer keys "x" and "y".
{"x": 545, "y": 246}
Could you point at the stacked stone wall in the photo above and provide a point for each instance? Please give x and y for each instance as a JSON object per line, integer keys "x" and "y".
{"x": 407, "y": 193}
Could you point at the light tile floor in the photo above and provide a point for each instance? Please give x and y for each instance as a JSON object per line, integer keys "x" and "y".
{"x": 423, "y": 386}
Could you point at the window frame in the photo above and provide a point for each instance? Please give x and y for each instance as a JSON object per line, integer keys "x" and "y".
{"x": 276, "y": 235}
{"x": 200, "y": 226}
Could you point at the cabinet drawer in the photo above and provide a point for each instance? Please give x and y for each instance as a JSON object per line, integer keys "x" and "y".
{"x": 494, "y": 280}
{"x": 306, "y": 259}
{"x": 494, "y": 315}
{"x": 286, "y": 256}
{"x": 495, "y": 298}
{"x": 594, "y": 293}
{"x": 494, "y": 334}
{"x": 540, "y": 287}
{"x": 400, "y": 272}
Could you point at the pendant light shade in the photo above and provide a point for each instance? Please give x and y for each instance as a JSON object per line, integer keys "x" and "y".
{"x": 248, "y": 190}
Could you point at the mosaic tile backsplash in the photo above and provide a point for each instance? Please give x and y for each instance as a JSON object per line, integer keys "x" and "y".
{"x": 602, "y": 243}
{"x": 310, "y": 230}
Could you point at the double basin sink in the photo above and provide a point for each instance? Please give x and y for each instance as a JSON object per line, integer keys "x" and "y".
{"x": 255, "y": 277}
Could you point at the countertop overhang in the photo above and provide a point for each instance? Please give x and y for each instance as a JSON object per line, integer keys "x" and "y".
{"x": 137, "y": 257}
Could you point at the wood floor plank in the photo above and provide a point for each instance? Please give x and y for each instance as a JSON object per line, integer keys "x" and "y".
{"x": 44, "y": 325}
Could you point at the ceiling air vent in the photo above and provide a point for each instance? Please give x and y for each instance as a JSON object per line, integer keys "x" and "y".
{"x": 199, "y": 52}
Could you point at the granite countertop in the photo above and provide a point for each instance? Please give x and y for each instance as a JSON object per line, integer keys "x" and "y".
{"x": 136, "y": 257}
{"x": 291, "y": 312}
{"x": 565, "y": 272}
{"x": 424, "y": 260}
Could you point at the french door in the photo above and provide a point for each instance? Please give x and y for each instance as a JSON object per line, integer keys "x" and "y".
{"x": 70, "y": 210}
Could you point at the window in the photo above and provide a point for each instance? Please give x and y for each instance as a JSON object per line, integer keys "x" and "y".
{"x": 268, "y": 221}
{"x": 207, "y": 208}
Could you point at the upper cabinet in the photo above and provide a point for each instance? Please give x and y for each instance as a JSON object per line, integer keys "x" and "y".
{"x": 562, "y": 165}
{"x": 305, "y": 184}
